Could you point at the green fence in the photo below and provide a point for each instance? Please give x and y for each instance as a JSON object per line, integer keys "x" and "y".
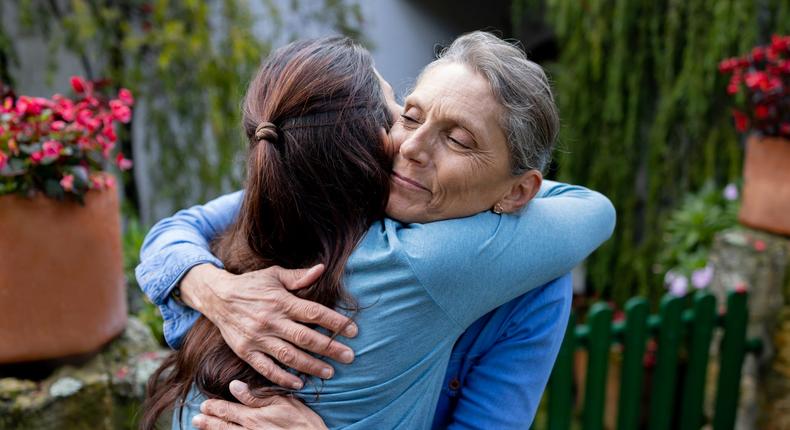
{"x": 682, "y": 333}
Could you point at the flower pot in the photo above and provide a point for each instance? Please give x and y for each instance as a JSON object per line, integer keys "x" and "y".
{"x": 766, "y": 187}
{"x": 62, "y": 288}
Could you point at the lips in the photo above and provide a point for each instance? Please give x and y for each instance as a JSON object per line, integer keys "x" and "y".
{"x": 408, "y": 182}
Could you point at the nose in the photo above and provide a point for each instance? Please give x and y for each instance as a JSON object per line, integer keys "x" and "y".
{"x": 416, "y": 148}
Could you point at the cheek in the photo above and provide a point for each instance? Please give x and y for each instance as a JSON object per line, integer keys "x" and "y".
{"x": 397, "y": 136}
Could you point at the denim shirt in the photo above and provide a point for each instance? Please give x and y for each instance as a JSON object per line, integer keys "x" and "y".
{"x": 481, "y": 388}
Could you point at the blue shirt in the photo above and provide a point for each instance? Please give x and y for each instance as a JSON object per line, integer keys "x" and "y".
{"x": 420, "y": 286}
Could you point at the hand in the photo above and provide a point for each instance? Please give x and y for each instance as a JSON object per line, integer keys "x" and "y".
{"x": 256, "y": 314}
{"x": 271, "y": 413}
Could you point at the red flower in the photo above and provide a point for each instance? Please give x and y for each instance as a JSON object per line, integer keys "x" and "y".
{"x": 125, "y": 96}
{"x": 120, "y": 111}
{"x": 759, "y": 245}
{"x": 754, "y": 79}
{"x": 123, "y": 163}
{"x": 761, "y": 112}
{"x": 758, "y": 53}
{"x": 3, "y": 160}
{"x": 784, "y": 128}
{"x": 78, "y": 84}
{"x": 780, "y": 43}
{"x": 741, "y": 121}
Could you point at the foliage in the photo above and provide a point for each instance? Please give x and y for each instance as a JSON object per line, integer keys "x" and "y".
{"x": 760, "y": 83}
{"x": 188, "y": 62}
{"x": 147, "y": 312}
{"x": 60, "y": 146}
{"x": 644, "y": 114}
{"x": 689, "y": 233}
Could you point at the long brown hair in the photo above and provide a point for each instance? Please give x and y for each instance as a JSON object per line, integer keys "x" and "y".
{"x": 317, "y": 177}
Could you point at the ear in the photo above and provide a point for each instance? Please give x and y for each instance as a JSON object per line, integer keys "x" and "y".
{"x": 522, "y": 191}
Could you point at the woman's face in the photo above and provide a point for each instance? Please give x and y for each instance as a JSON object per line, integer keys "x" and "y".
{"x": 451, "y": 156}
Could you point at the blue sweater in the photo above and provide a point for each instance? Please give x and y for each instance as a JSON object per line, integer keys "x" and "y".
{"x": 420, "y": 286}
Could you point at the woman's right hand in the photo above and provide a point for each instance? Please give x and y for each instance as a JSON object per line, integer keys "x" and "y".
{"x": 259, "y": 318}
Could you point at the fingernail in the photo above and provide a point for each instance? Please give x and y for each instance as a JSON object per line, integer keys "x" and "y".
{"x": 297, "y": 385}
{"x": 326, "y": 373}
{"x": 237, "y": 387}
{"x": 203, "y": 407}
{"x": 350, "y": 331}
{"x": 347, "y": 356}
{"x": 197, "y": 420}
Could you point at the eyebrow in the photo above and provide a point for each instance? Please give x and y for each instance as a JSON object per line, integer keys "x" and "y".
{"x": 469, "y": 126}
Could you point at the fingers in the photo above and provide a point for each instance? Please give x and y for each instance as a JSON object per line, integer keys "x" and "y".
{"x": 242, "y": 392}
{"x": 266, "y": 367}
{"x": 293, "y": 357}
{"x": 226, "y": 411}
{"x": 294, "y": 279}
{"x": 314, "y": 313}
{"x": 313, "y": 341}
{"x": 204, "y": 422}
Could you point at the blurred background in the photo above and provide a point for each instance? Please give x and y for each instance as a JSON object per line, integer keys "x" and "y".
{"x": 645, "y": 101}
{"x": 644, "y": 109}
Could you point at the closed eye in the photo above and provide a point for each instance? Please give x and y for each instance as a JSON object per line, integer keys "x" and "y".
{"x": 457, "y": 142}
{"x": 408, "y": 118}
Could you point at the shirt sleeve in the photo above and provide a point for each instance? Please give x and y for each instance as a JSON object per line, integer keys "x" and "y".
{"x": 172, "y": 247}
{"x": 472, "y": 265}
{"x": 529, "y": 343}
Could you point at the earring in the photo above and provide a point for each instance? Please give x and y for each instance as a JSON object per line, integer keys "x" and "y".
{"x": 498, "y": 209}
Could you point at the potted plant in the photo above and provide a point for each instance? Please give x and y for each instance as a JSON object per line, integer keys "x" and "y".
{"x": 760, "y": 84}
{"x": 62, "y": 290}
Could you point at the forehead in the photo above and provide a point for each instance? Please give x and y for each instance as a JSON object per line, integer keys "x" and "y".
{"x": 458, "y": 93}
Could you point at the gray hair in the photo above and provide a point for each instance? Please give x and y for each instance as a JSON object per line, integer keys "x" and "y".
{"x": 530, "y": 121}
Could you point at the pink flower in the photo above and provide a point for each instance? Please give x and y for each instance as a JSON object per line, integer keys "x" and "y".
{"x": 36, "y": 157}
{"x": 52, "y": 149}
{"x": 57, "y": 125}
{"x": 120, "y": 111}
{"x": 730, "y": 192}
{"x": 741, "y": 287}
{"x": 28, "y": 106}
{"x": 701, "y": 278}
{"x": 679, "y": 286}
{"x": 3, "y": 160}
{"x": 759, "y": 245}
{"x": 109, "y": 182}
{"x": 123, "y": 163}
{"x": 125, "y": 96}
{"x": 97, "y": 183}
{"x": 67, "y": 182}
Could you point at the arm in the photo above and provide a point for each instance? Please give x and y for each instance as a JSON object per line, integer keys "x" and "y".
{"x": 512, "y": 374}
{"x": 473, "y": 265}
{"x": 171, "y": 248}
{"x": 254, "y": 311}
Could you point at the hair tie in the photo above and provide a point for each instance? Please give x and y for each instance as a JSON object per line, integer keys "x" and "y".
{"x": 266, "y": 131}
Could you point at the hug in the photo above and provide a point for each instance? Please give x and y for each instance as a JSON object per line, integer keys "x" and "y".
{"x": 385, "y": 266}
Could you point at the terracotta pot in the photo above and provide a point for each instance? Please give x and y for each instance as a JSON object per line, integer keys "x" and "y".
{"x": 766, "y": 185}
{"x": 62, "y": 288}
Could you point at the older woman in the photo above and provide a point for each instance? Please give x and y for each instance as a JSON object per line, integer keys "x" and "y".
{"x": 473, "y": 136}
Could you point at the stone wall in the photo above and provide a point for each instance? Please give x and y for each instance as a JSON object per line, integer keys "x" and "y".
{"x": 104, "y": 393}
{"x": 760, "y": 263}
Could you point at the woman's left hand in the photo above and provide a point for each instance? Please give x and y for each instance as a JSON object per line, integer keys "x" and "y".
{"x": 271, "y": 413}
